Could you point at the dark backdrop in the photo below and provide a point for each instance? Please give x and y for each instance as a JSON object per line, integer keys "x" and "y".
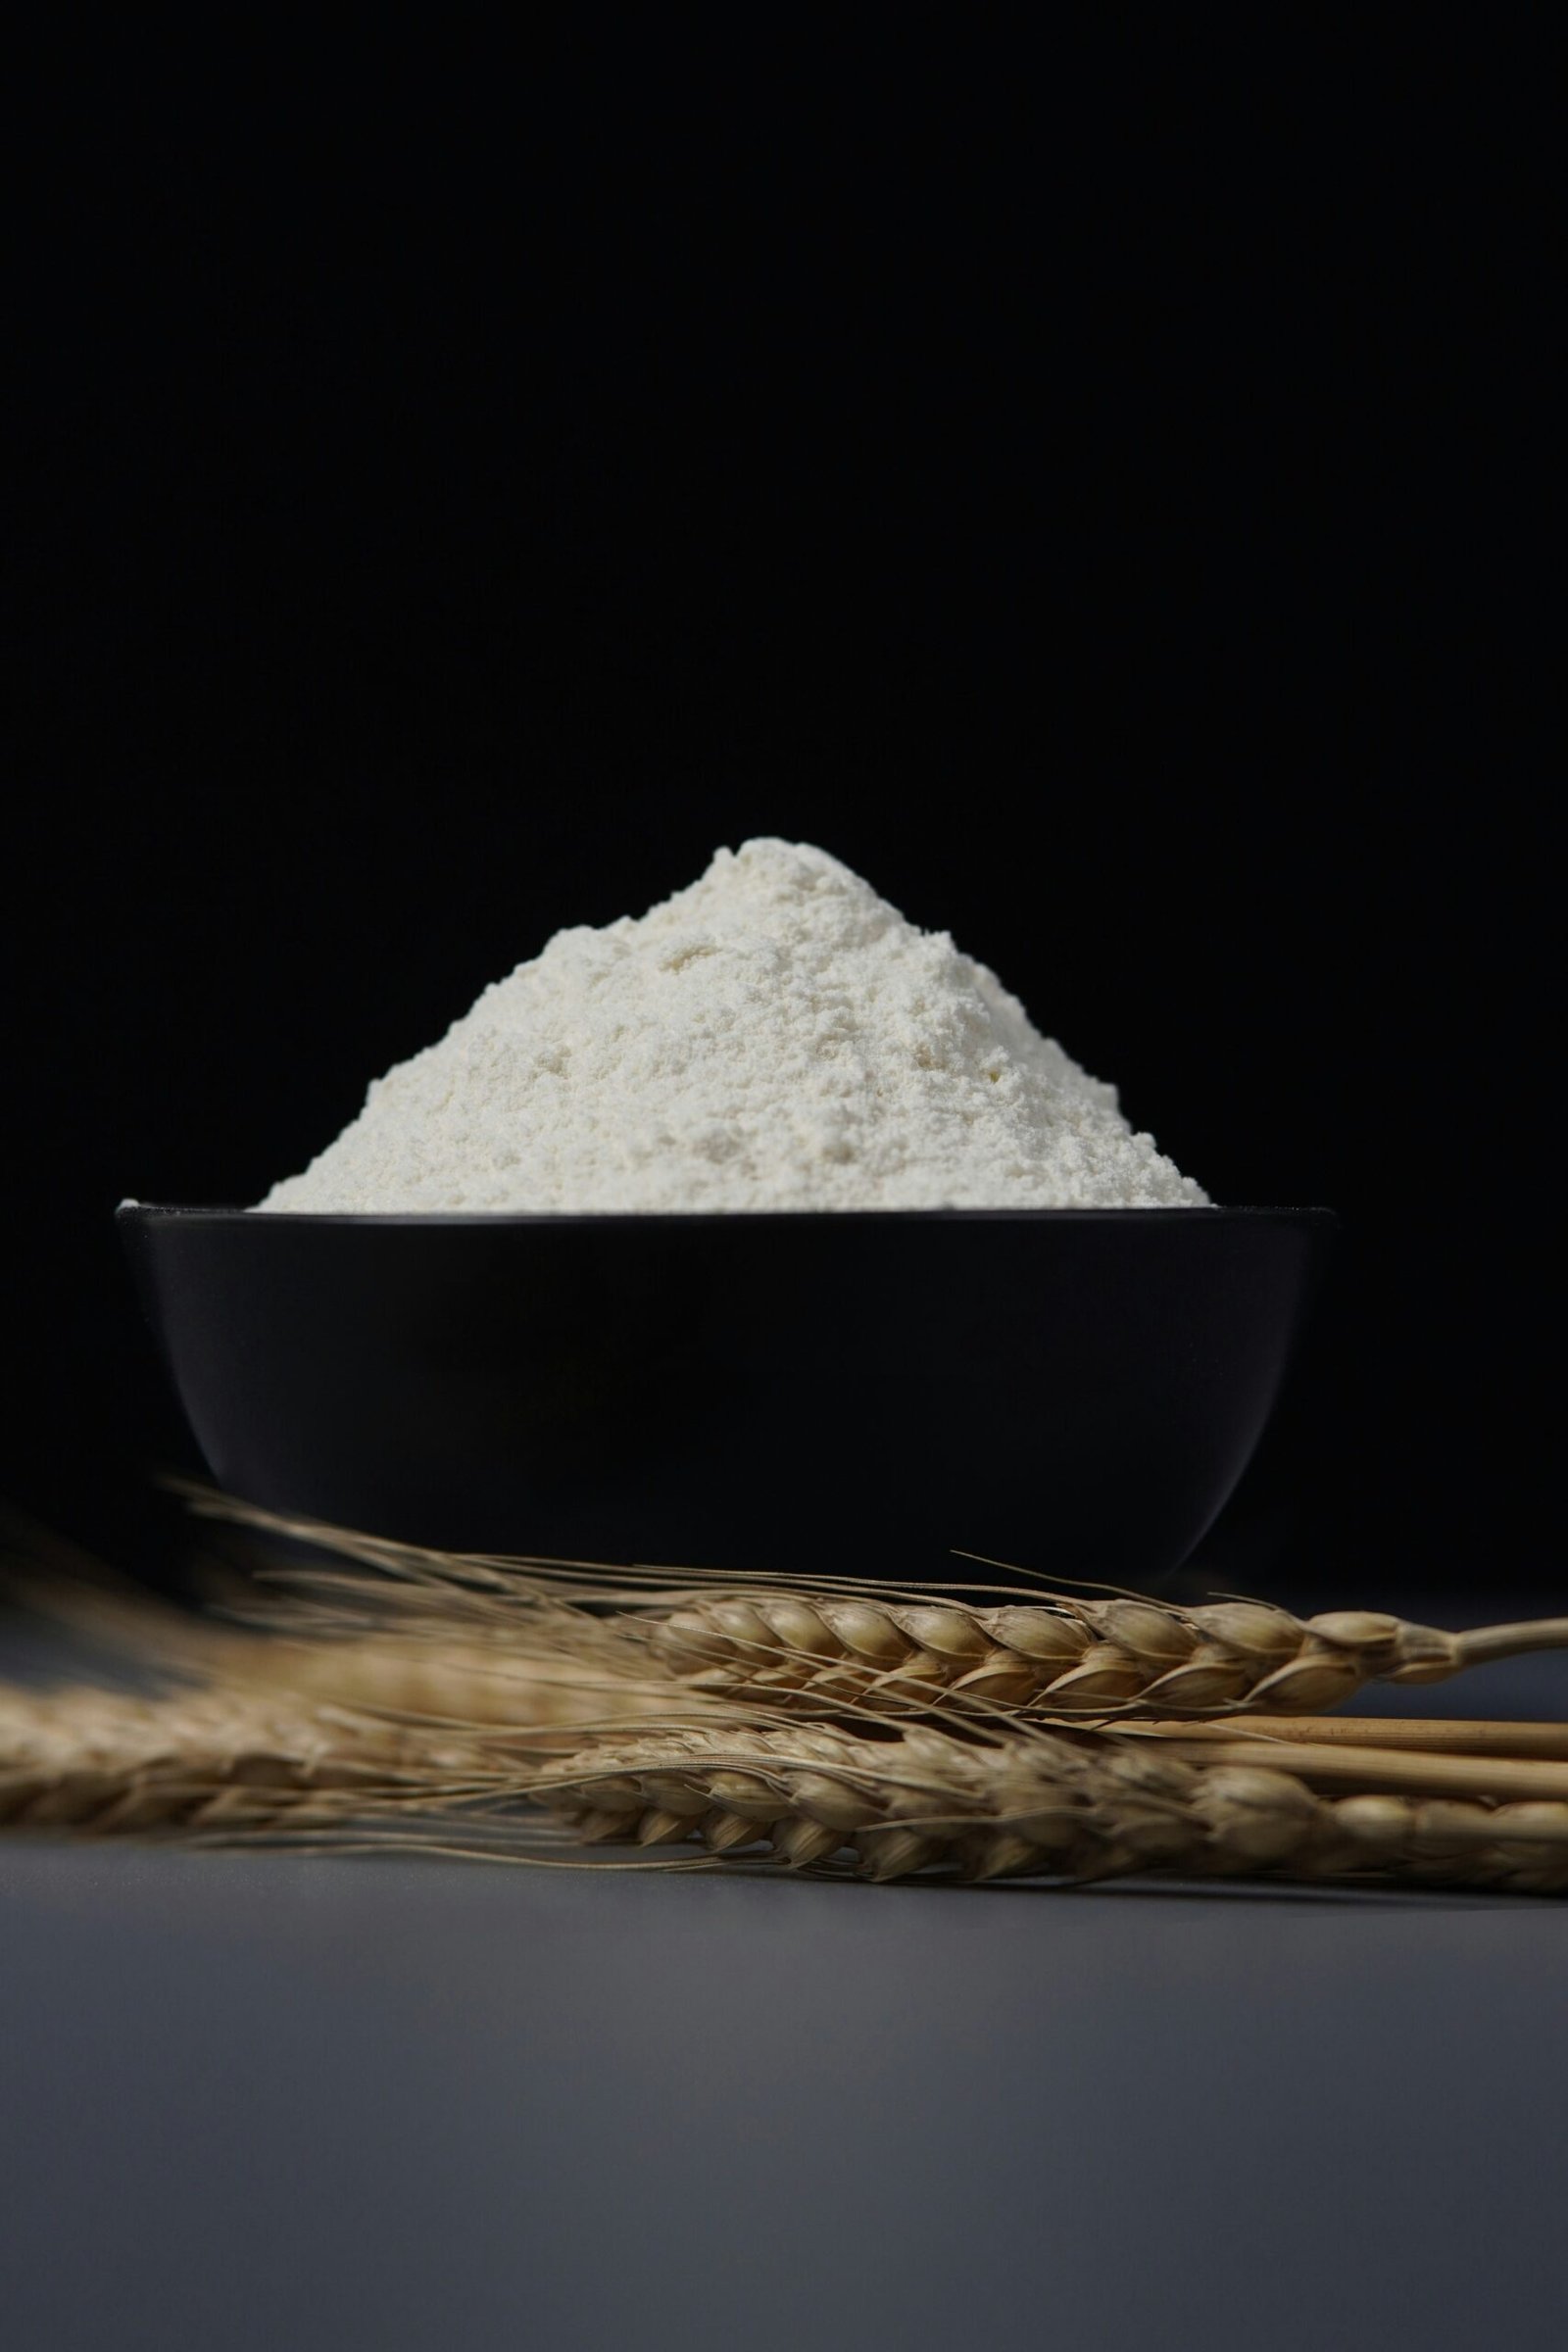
{"x": 1091, "y": 491}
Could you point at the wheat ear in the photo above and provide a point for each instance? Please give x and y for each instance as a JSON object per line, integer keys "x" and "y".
{"x": 808, "y": 1650}
{"x": 818, "y": 1646}
{"x": 104, "y": 1763}
{"x": 444, "y": 1675}
{"x": 1074, "y": 1806}
{"x": 1058, "y": 1656}
{"x": 1080, "y": 1806}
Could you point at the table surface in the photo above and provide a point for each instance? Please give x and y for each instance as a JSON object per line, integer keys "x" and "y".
{"x": 274, "y": 2100}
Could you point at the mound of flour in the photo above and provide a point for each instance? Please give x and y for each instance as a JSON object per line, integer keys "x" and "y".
{"x": 774, "y": 1037}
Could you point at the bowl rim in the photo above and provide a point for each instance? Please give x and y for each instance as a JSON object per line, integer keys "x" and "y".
{"x": 148, "y": 1213}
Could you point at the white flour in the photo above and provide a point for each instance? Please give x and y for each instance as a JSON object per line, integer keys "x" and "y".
{"x": 774, "y": 1037}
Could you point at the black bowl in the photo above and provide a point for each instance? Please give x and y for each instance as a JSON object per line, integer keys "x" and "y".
{"x": 1075, "y": 1390}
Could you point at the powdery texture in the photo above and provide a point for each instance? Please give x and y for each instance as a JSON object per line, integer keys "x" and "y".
{"x": 774, "y": 1037}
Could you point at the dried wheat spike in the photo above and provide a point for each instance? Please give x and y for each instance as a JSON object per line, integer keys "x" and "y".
{"x": 810, "y": 1647}
{"x": 430, "y": 1664}
{"x": 1080, "y": 1806}
{"x": 1056, "y": 1656}
{"x": 100, "y": 1762}
{"x": 460, "y": 1682}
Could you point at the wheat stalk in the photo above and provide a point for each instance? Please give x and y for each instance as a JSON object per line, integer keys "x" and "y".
{"x": 1076, "y": 1807}
{"x": 1425, "y": 1735}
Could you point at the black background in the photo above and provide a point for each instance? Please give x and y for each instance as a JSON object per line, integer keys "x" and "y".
{"x": 1092, "y": 489}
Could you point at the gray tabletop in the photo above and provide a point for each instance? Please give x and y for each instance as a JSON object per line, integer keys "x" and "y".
{"x": 272, "y": 2100}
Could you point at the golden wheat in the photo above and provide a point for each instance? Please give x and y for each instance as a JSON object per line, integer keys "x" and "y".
{"x": 443, "y": 1675}
{"x": 823, "y": 1646}
{"x": 454, "y": 1682}
{"x": 105, "y": 1762}
{"x": 1056, "y": 1657}
{"x": 448, "y": 1697}
{"x": 1073, "y": 1806}
{"x": 1076, "y": 1807}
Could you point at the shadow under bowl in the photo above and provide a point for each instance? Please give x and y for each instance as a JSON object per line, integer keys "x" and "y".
{"x": 847, "y": 1392}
